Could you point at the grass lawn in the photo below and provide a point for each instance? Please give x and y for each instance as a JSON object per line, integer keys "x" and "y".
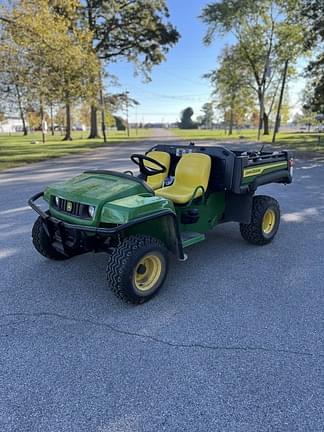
{"x": 304, "y": 142}
{"x": 18, "y": 150}
{"x": 206, "y": 134}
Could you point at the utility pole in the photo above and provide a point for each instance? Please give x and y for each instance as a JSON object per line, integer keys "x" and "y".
{"x": 136, "y": 120}
{"x": 127, "y": 116}
{"x": 52, "y": 121}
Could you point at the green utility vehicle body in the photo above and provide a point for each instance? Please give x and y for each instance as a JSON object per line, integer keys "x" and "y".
{"x": 99, "y": 209}
{"x": 117, "y": 199}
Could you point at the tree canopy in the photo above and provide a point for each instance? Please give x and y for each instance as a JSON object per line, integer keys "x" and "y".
{"x": 312, "y": 12}
{"x": 267, "y": 34}
{"x": 138, "y": 31}
{"x": 57, "y": 46}
{"x": 186, "y": 121}
{"x": 50, "y": 53}
{"x": 232, "y": 88}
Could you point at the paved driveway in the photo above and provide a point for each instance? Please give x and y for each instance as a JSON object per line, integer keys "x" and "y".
{"x": 233, "y": 342}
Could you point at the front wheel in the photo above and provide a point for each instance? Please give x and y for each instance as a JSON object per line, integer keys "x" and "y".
{"x": 43, "y": 244}
{"x": 264, "y": 223}
{"x": 137, "y": 268}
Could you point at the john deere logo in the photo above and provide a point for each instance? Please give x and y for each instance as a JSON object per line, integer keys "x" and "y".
{"x": 69, "y": 206}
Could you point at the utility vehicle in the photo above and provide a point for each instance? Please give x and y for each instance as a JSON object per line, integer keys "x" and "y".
{"x": 181, "y": 192}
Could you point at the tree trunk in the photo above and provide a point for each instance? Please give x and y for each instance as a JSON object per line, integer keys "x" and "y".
{"x": 52, "y": 122}
{"x": 68, "y": 134}
{"x": 261, "y": 111}
{"x": 93, "y": 123}
{"x": 230, "y": 127}
{"x": 103, "y": 117}
{"x": 42, "y": 120}
{"x": 265, "y": 124}
{"x": 277, "y": 122}
{"x": 103, "y": 111}
{"x": 21, "y": 111}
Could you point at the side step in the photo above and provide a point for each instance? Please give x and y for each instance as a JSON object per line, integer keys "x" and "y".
{"x": 190, "y": 238}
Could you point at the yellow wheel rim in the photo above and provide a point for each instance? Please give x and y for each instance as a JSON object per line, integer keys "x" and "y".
{"x": 147, "y": 272}
{"x": 268, "y": 222}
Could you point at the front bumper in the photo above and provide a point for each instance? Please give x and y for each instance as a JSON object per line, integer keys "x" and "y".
{"x": 61, "y": 224}
{"x": 56, "y": 228}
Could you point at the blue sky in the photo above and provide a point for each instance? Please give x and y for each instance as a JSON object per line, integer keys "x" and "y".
{"x": 177, "y": 83}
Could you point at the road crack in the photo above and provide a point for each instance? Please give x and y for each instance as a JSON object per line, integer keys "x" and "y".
{"x": 154, "y": 339}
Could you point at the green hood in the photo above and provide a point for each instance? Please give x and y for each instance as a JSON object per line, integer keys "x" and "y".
{"x": 97, "y": 188}
{"x": 94, "y": 188}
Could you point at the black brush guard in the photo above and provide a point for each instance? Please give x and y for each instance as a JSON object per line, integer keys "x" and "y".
{"x": 53, "y": 225}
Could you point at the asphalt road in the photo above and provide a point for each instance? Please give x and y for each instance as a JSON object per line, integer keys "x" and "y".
{"x": 233, "y": 342}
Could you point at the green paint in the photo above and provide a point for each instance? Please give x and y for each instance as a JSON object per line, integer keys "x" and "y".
{"x": 210, "y": 213}
{"x": 248, "y": 176}
{"x": 193, "y": 240}
{"x": 126, "y": 209}
{"x": 92, "y": 189}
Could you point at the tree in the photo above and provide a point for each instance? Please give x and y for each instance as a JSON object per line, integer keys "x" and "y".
{"x": 110, "y": 120}
{"x": 13, "y": 92}
{"x": 267, "y": 33}
{"x": 13, "y": 96}
{"x": 208, "y": 115}
{"x": 312, "y": 12}
{"x": 34, "y": 119}
{"x": 53, "y": 51}
{"x": 186, "y": 121}
{"x": 120, "y": 123}
{"x": 254, "y": 119}
{"x": 83, "y": 111}
{"x": 119, "y": 101}
{"x": 309, "y": 109}
{"x": 231, "y": 86}
{"x": 135, "y": 30}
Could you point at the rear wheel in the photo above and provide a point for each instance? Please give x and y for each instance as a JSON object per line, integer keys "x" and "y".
{"x": 264, "y": 223}
{"x": 137, "y": 268}
{"x": 42, "y": 242}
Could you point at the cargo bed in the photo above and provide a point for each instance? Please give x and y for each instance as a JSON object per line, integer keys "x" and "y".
{"x": 238, "y": 172}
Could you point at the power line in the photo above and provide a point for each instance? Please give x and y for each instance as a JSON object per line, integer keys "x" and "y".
{"x": 172, "y": 96}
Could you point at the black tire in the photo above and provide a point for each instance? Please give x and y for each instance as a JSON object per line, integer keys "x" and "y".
{"x": 127, "y": 265}
{"x": 43, "y": 244}
{"x": 258, "y": 231}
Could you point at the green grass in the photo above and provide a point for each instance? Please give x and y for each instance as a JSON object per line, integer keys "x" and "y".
{"x": 16, "y": 150}
{"x": 206, "y": 134}
{"x": 303, "y": 142}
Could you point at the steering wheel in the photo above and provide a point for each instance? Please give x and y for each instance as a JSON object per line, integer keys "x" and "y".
{"x": 139, "y": 159}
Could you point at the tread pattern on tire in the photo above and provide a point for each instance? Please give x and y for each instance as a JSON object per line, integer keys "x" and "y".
{"x": 42, "y": 242}
{"x": 252, "y": 232}
{"x": 119, "y": 261}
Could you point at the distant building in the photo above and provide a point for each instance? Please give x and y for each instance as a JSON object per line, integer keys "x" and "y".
{"x": 11, "y": 124}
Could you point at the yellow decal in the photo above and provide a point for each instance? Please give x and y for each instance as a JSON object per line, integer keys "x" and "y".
{"x": 249, "y": 172}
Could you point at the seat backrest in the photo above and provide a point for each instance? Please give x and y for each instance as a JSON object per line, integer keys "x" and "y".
{"x": 156, "y": 181}
{"x": 193, "y": 170}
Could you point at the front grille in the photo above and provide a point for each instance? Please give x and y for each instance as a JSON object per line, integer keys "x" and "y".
{"x": 72, "y": 208}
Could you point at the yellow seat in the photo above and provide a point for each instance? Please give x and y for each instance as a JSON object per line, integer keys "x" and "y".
{"x": 156, "y": 181}
{"x": 192, "y": 171}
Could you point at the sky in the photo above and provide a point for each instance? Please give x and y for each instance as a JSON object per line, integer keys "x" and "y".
{"x": 178, "y": 82}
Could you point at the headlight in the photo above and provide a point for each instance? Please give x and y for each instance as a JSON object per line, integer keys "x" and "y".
{"x": 57, "y": 201}
{"x": 91, "y": 211}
